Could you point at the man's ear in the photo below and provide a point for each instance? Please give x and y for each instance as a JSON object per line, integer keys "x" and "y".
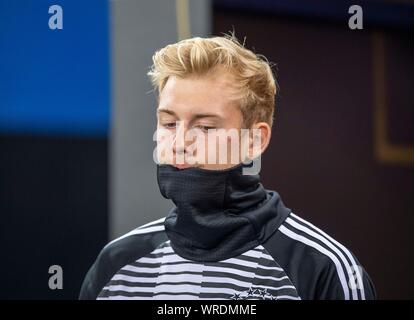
{"x": 259, "y": 138}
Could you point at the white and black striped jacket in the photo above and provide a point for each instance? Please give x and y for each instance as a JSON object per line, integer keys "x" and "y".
{"x": 295, "y": 260}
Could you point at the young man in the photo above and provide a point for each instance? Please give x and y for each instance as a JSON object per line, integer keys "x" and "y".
{"x": 227, "y": 237}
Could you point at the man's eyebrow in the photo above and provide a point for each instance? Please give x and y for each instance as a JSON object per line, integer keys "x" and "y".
{"x": 164, "y": 110}
{"x": 196, "y": 116}
{"x": 206, "y": 115}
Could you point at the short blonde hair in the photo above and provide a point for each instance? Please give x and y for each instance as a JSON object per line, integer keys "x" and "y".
{"x": 253, "y": 75}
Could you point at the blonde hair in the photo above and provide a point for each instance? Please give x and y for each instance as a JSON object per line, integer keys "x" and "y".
{"x": 253, "y": 75}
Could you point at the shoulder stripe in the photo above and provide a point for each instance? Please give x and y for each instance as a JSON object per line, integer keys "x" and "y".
{"x": 321, "y": 249}
{"x": 159, "y": 221}
{"x": 354, "y": 268}
{"x": 329, "y": 245}
{"x": 152, "y": 227}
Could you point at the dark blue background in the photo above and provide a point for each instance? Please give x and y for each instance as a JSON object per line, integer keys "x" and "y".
{"x": 54, "y": 81}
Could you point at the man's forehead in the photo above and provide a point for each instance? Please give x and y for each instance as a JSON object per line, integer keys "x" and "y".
{"x": 196, "y": 97}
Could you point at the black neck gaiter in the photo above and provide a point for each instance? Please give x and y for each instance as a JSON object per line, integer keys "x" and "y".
{"x": 219, "y": 214}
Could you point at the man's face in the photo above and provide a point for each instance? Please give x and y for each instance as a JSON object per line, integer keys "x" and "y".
{"x": 198, "y": 103}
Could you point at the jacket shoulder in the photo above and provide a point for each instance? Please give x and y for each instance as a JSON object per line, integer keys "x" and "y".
{"x": 119, "y": 253}
{"x": 319, "y": 266}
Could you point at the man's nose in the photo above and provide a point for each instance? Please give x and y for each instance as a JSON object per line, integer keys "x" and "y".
{"x": 179, "y": 143}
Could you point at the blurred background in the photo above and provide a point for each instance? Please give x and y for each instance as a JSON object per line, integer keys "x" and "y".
{"x": 77, "y": 116}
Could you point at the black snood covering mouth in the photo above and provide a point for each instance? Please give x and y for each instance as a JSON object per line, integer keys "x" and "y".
{"x": 218, "y": 214}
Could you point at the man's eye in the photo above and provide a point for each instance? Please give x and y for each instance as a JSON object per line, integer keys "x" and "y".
{"x": 206, "y": 128}
{"x": 170, "y": 125}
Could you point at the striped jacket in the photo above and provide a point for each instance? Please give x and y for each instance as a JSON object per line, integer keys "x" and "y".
{"x": 297, "y": 261}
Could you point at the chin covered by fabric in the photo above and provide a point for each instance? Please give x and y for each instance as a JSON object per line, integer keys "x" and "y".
{"x": 218, "y": 214}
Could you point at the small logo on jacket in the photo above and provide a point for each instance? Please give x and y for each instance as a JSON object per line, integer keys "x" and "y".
{"x": 252, "y": 293}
